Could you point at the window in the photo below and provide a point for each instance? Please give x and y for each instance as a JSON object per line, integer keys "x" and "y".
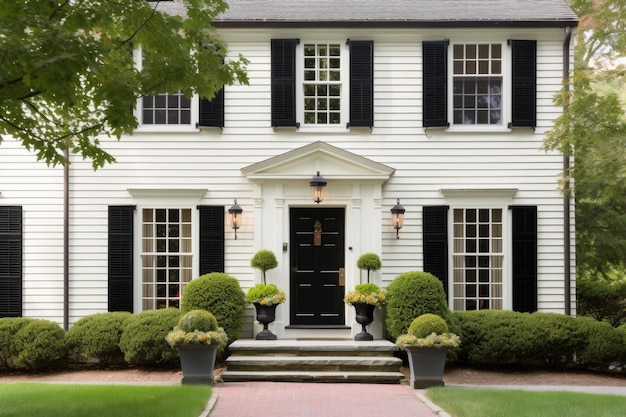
{"x": 166, "y": 109}
{"x": 477, "y": 79}
{"x": 484, "y": 91}
{"x": 322, "y": 84}
{"x": 335, "y": 83}
{"x": 166, "y": 256}
{"x": 477, "y": 259}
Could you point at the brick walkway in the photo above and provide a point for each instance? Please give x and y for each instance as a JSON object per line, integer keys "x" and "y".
{"x": 291, "y": 399}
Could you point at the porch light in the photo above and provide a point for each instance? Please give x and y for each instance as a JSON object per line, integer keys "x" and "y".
{"x": 318, "y": 183}
{"x": 397, "y": 217}
{"x": 235, "y": 216}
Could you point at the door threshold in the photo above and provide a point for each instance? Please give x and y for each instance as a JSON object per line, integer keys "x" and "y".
{"x": 318, "y": 327}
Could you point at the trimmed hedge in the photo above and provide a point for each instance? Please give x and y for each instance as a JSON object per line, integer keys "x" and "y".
{"x": 8, "y": 327}
{"x": 410, "y": 295}
{"x": 38, "y": 345}
{"x": 426, "y": 324}
{"x": 143, "y": 337}
{"x": 97, "y": 338}
{"x": 197, "y": 320}
{"x": 221, "y": 295}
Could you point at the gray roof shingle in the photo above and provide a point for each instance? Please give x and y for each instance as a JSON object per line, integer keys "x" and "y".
{"x": 398, "y": 12}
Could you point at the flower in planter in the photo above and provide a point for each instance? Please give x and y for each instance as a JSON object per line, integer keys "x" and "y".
{"x": 368, "y": 294}
{"x": 197, "y": 327}
{"x": 428, "y": 330}
{"x": 265, "y": 294}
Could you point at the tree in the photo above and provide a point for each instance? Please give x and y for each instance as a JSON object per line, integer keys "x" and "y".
{"x": 68, "y": 72}
{"x": 592, "y": 129}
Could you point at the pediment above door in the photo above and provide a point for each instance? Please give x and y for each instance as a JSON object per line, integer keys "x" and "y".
{"x": 332, "y": 163}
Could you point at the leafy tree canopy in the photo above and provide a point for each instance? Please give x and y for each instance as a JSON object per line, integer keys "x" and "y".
{"x": 68, "y": 75}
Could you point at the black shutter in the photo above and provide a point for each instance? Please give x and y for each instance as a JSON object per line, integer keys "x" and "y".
{"x": 524, "y": 79}
{"x": 10, "y": 261}
{"x": 212, "y": 111}
{"x": 435, "y": 223}
{"x": 211, "y": 239}
{"x": 524, "y": 258}
{"x": 284, "y": 82}
{"x": 121, "y": 258}
{"x": 435, "y": 88}
{"x": 362, "y": 83}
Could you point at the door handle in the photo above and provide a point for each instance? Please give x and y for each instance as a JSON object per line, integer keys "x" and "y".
{"x": 342, "y": 277}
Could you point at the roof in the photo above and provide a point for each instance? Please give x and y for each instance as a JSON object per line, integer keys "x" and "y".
{"x": 398, "y": 13}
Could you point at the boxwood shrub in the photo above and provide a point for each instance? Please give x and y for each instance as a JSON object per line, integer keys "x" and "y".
{"x": 38, "y": 345}
{"x": 603, "y": 344}
{"x": 143, "y": 338}
{"x": 8, "y": 327}
{"x": 412, "y": 294}
{"x": 96, "y": 338}
{"x": 221, "y": 295}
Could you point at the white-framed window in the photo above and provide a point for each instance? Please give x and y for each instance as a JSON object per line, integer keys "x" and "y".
{"x": 166, "y": 256}
{"x": 477, "y": 258}
{"x": 477, "y": 79}
{"x": 322, "y": 84}
{"x": 166, "y": 109}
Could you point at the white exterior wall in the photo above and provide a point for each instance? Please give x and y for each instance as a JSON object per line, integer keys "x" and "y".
{"x": 425, "y": 163}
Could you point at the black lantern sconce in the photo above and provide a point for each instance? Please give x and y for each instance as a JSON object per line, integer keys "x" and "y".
{"x": 235, "y": 217}
{"x": 397, "y": 217}
{"x": 317, "y": 184}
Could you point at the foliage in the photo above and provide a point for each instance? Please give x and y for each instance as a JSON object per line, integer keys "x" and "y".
{"x": 200, "y": 320}
{"x": 265, "y": 294}
{"x": 432, "y": 340}
{"x": 426, "y": 324}
{"x": 602, "y": 299}
{"x": 39, "y": 345}
{"x": 560, "y": 337}
{"x": 68, "y": 72}
{"x": 220, "y": 294}
{"x": 264, "y": 260}
{"x": 62, "y": 400}
{"x": 603, "y": 344}
{"x": 621, "y": 330}
{"x": 368, "y": 294}
{"x": 217, "y": 338}
{"x": 97, "y": 336}
{"x": 370, "y": 262}
{"x": 143, "y": 337}
{"x": 410, "y": 295}
{"x": 8, "y": 327}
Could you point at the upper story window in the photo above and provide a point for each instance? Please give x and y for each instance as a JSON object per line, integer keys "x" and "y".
{"x": 489, "y": 84}
{"x": 166, "y": 109}
{"x": 477, "y": 84}
{"x": 322, "y": 84}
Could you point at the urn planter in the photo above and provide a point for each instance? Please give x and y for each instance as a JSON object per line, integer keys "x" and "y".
{"x": 364, "y": 316}
{"x": 265, "y": 314}
{"x": 427, "y": 365}
{"x": 197, "y": 362}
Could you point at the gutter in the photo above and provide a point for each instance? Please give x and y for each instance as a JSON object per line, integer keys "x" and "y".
{"x": 567, "y": 272}
{"x": 66, "y": 240}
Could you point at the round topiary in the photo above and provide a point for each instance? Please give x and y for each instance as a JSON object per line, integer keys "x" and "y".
{"x": 143, "y": 337}
{"x": 369, "y": 262}
{"x": 97, "y": 337}
{"x": 39, "y": 345}
{"x": 427, "y": 324}
{"x": 264, "y": 260}
{"x": 220, "y": 294}
{"x": 410, "y": 295}
{"x": 200, "y": 320}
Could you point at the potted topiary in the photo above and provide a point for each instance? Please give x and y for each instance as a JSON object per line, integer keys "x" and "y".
{"x": 365, "y": 298}
{"x": 197, "y": 338}
{"x": 369, "y": 262}
{"x": 265, "y": 297}
{"x": 427, "y": 343}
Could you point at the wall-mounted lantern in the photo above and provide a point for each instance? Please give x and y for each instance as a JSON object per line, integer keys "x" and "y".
{"x": 317, "y": 184}
{"x": 235, "y": 217}
{"x": 397, "y": 217}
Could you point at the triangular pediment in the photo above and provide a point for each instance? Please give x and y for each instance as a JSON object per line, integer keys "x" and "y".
{"x": 330, "y": 161}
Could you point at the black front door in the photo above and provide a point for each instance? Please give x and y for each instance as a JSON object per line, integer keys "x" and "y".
{"x": 317, "y": 266}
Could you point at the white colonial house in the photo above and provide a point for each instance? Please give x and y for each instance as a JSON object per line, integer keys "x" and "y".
{"x": 440, "y": 106}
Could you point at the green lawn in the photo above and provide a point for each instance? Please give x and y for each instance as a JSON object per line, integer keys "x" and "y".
{"x": 466, "y": 402}
{"x": 68, "y": 400}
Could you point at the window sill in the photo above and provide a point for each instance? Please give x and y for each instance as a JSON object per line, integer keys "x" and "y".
{"x": 167, "y": 129}
{"x": 323, "y": 129}
{"x": 478, "y": 129}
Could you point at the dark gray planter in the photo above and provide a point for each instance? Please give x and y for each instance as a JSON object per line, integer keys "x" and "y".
{"x": 427, "y": 365}
{"x": 197, "y": 363}
{"x": 265, "y": 315}
{"x": 364, "y": 316}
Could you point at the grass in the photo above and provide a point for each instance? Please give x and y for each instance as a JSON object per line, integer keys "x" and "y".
{"x": 469, "y": 402}
{"x": 61, "y": 400}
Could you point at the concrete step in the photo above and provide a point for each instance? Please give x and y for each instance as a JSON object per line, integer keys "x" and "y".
{"x": 312, "y": 347}
{"x": 314, "y": 363}
{"x": 304, "y": 376}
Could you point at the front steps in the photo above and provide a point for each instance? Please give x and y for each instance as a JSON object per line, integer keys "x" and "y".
{"x": 313, "y": 361}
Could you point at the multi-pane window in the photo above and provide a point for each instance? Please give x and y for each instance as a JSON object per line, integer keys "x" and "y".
{"x": 477, "y": 80}
{"x": 166, "y": 109}
{"x": 322, "y": 84}
{"x": 166, "y": 256}
{"x": 477, "y": 259}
